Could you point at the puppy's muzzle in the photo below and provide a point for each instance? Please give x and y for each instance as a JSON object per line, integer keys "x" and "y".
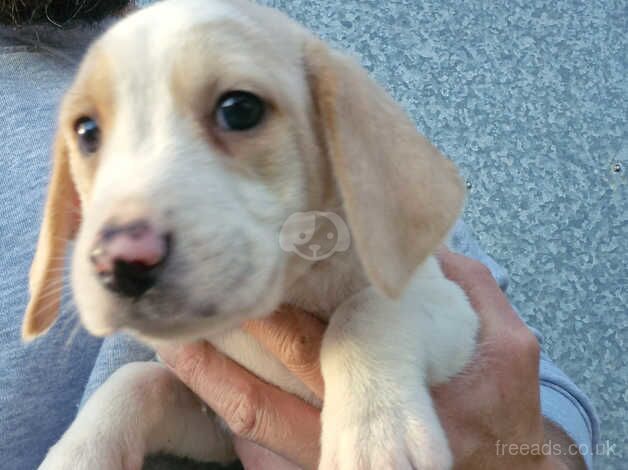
{"x": 129, "y": 258}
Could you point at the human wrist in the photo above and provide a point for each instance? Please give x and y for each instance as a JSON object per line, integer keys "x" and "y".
{"x": 565, "y": 454}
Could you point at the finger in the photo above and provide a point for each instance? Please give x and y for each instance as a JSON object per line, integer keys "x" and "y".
{"x": 441, "y": 250}
{"x": 483, "y": 292}
{"x": 252, "y": 409}
{"x": 294, "y": 337}
{"x": 505, "y": 342}
{"x": 255, "y": 457}
{"x": 502, "y": 331}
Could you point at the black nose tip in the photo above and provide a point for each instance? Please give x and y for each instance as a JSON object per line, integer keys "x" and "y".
{"x": 130, "y": 279}
{"x": 128, "y": 259}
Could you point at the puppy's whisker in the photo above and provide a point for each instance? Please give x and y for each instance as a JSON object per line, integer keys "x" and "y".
{"x": 54, "y": 296}
{"x": 59, "y": 258}
{"x": 56, "y": 270}
{"x": 77, "y": 327}
{"x": 54, "y": 283}
{"x": 55, "y": 291}
{"x": 42, "y": 310}
{"x": 53, "y": 287}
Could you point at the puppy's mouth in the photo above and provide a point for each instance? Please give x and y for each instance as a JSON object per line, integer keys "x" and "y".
{"x": 169, "y": 312}
{"x": 194, "y": 323}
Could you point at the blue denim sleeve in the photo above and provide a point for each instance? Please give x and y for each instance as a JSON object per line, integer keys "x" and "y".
{"x": 41, "y": 382}
{"x": 565, "y": 404}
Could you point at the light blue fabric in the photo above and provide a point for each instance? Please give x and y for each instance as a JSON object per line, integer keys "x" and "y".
{"x": 42, "y": 384}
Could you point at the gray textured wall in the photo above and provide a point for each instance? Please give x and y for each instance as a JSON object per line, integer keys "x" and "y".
{"x": 530, "y": 98}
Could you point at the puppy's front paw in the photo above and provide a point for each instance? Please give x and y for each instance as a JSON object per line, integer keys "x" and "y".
{"x": 373, "y": 438}
{"x": 91, "y": 453}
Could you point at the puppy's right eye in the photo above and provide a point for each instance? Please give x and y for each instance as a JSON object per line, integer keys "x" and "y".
{"x": 239, "y": 111}
{"x": 88, "y": 135}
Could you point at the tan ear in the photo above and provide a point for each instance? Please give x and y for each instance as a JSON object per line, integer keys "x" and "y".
{"x": 401, "y": 196}
{"x": 61, "y": 219}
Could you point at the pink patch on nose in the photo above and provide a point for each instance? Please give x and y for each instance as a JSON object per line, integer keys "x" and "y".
{"x": 135, "y": 244}
{"x": 146, "y": 248}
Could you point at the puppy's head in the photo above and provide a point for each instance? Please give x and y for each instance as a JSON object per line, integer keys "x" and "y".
{"x": 192, "y": 132}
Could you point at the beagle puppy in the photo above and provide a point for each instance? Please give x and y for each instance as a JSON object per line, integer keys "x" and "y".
{"x": 205, "y": 152}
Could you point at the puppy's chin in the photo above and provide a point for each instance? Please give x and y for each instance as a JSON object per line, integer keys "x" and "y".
{"x": 174, "y": 320}
{"x": 182, "y": 327}
{"x": 176, "y": 309}
{"x": 185, "y": 328}
{"x": 187, "y": 331}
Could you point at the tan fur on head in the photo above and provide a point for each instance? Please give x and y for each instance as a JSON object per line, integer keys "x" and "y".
{"x": 400, "y": 194}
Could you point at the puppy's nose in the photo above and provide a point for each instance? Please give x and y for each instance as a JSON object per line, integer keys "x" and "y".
{"x": 128, "y": 258}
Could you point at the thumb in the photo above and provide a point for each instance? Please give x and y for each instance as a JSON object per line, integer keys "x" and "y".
{"x": 256, "y": 457}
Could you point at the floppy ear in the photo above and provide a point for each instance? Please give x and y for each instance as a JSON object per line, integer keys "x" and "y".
{"x": 59, "y": 225}
{"x": 400, "y": 195}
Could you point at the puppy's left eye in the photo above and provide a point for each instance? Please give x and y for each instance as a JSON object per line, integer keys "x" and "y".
{"x": 239, "y": 111}
{"x": 88, "y": 134}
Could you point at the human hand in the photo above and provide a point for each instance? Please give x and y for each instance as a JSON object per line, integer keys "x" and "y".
{"x": 493, "y": 406}
{"x": 494, "y": 402}
{"x": 273, "y": 429}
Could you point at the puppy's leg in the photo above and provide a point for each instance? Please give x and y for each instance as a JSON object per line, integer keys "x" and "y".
{"x": 448, "y": 322}
{"x": 141, "y": 409}
{"x": 377, "y": 359}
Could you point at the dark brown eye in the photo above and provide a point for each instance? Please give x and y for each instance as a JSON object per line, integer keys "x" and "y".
{"x": 88, "y": 135}
{"x": 239, "y": 111}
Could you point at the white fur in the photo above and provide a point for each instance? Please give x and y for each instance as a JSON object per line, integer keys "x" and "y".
{"x": 378, "y": 355}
